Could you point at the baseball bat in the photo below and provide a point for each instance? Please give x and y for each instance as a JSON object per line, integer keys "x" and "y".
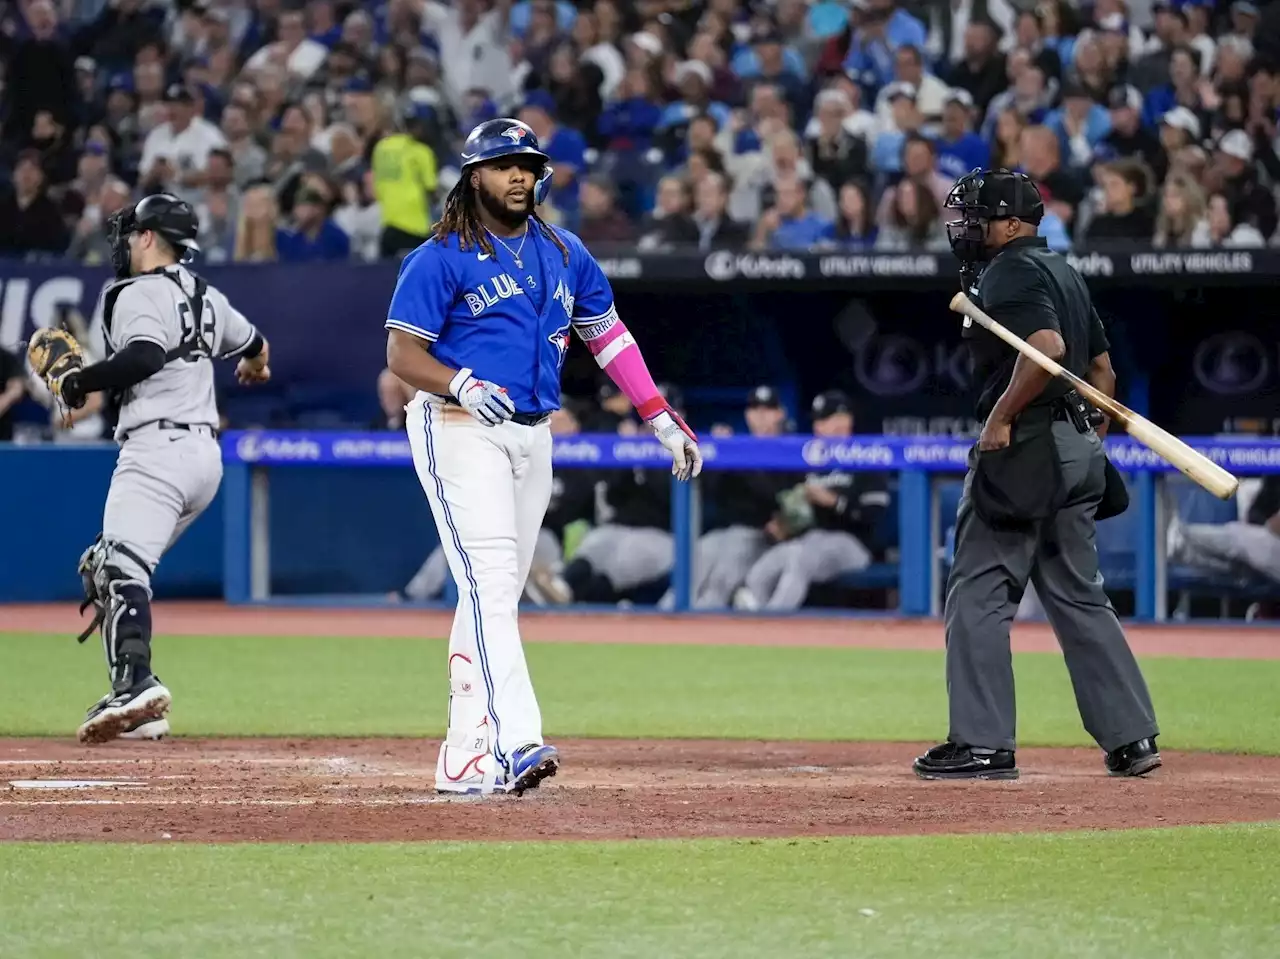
{"x": 1196, "y": 466}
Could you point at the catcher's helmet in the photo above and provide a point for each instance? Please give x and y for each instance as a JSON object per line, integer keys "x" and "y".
{"x": 161, "y": 213}
{"x": 494, "y": 139}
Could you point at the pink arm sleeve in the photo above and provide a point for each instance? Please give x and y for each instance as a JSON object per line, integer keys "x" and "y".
{"x": 617, "y": 354}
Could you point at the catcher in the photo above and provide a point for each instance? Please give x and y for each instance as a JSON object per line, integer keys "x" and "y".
{"x": 822, "y": 526}
{"x": 162, "y": 326}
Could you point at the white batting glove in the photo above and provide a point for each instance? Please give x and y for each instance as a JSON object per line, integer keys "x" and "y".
{"x": 675, "y": 435}
{"x": 486, "y": 401}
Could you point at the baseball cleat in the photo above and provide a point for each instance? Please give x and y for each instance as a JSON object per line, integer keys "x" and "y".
{"x": 952, "y": 761}
{"x": 1135, "y": 759}
{"x": 115, "y": 713}
{"x": 530, "y": 765}
{"x": 151, "y": 729}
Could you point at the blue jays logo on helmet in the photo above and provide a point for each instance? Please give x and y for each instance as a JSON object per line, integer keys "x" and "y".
{"x": 495, "y": 139}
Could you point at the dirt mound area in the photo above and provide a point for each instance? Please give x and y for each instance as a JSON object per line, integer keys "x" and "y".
{"x": 382, "y": 789}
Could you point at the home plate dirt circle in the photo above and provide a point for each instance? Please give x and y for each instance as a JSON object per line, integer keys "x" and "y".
{"x": 305, "y": 790}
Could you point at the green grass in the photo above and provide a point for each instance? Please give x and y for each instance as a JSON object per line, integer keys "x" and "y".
{"x": 1206, "y": 892}
{"x": 322, "y": 686}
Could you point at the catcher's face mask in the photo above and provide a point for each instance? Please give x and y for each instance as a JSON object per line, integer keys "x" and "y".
{"x": 121, "y": 226}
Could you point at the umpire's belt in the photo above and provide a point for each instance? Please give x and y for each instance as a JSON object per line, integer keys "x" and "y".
{"x": 520, "y": 419}
{"x": 204, "y": 428}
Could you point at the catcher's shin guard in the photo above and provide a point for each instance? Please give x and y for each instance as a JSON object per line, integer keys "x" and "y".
{"x": 467, "y": 765}
{"x": 122, "y": 600}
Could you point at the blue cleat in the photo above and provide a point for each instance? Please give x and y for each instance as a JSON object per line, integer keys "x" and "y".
{"x": 530, "y": 765}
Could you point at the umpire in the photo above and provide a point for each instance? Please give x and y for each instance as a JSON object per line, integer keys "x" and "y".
{"x": 1037, "y": 477}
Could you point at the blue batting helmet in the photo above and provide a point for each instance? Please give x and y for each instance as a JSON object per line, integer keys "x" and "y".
{"x": 502, "y": 138}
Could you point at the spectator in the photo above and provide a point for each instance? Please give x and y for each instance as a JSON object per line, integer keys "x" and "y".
{"x": 593, "y": 49}
{"x": 1182, "y": 222}
{"x": 1090, "y": 70}
{"x": 959, "y": 148}
{"x": 406, "y": 182}
{"x": 1116, "y": 38}
{"x": 29, "y": 221}
{"x": 834, "y": 153}
{"x": 1080, "y": 125}
{"x": 1028, "y": 94}
{"x": 854, "y": 227}
{"x": 218, "y": 209}
{"x": 693, "y": 78}
{"x": 772, "y": 68}
{"x": 12, "y": 388}
{"x": 982, "y": 70}
{"x": 1198, "y": 38}
{"x": 1006, "y": 149}
{"x": 725, "y": 85}
{"x": 359, "y": 215}
{"x": 576, "y": 88}
{"x": 701, "y": 138}
{"x": 1126, "y": 214}
{"x": 363, "y": 111}
{"x": 602, "y": 221}
{"x": 92, "y": 170}
{"x": 1127, "y": 136}
{"x": 90, "y": 245}
{"x": 256, "y": 231}
{"x": 931, "y": 93}
{"x": 914, "y": 221}
{"x": 628, "y": 124}
{"x": 886, "y": 153}
{"x": 313, "y": 236}
{"x": 57, "y": 156}
{"x": 919, "y": 163}
{"x": 121, "y": 31}
{"x": 1183, "y": 89}
{"x": 1235, "y": 174}
{"x": 1041, "y": 160}
{"x": 670, "y": 223}
{"x": 1232, "y": 112}
{"x": 1244, "y": 19}
{"x": 716, "y": 231}
{"x": 884, "y": 28}
{"x": 1230, "y": 65}
{"x": 474, "y": 52}
{"x": 1171, "y": 31}
{"x": 541, "y": 37}
{"x": 247, "y": 158}
{"x": 566, "y": 148}
{"x": 1226, "y": 230}
{"x": 292, "y": 155}
{"x": 176, "y": 152}
{"x": 1029, "y": 33}
{"x": 39, "y": 71}
{"x": 859, "y": 122}
{"x": 293, "y": 50}
{"x": 789, "y": 224}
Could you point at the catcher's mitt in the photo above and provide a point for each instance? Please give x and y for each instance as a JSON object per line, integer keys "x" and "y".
{"x": 53, "y": 354}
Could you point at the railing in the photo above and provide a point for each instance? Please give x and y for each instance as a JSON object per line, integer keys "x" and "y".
{"x": 918, "y": 461}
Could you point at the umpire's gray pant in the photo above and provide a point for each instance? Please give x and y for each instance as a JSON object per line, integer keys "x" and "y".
{"x": 1060, "y": 556}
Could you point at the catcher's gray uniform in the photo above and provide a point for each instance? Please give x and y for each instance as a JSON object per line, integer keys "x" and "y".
{"x": 170, "y": 464}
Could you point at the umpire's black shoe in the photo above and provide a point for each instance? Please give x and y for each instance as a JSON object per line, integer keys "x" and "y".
{"x": 952, "y": 761}
{"x": 1135, "y": 759}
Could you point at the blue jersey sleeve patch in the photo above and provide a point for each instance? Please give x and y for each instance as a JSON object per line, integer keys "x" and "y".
{"x": 424, "y": 293}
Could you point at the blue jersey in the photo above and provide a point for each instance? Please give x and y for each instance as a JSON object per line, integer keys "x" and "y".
{"x": 509, "y": 324}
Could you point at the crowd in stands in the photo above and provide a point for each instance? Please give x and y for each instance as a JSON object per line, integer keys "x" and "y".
{"x": 307, "y": 130}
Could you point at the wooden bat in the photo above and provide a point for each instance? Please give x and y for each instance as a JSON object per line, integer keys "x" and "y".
{"x": 1199, "y": 468}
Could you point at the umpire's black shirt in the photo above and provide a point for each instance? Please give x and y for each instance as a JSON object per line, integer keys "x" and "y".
{"x": 1027, "y": 288}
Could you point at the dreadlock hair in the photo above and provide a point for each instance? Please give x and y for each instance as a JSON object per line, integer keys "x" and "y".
{"x": 462, "y": 217}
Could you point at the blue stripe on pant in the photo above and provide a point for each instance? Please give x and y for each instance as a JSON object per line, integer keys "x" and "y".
{"x": 472, "y": 588}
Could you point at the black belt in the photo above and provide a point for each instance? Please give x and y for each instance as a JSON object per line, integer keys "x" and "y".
{"x": 520, "y": 419}
{"x": 171, "y": 425}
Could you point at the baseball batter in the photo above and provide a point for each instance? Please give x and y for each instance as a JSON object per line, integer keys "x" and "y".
{"x": 479, "y": 323}
{"x": 162, "y": 325}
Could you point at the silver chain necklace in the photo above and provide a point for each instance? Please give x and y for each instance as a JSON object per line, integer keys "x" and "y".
{"x": 516, "y": 252}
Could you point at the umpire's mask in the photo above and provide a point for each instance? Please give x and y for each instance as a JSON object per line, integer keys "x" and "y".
{"x": 982, "y": 196}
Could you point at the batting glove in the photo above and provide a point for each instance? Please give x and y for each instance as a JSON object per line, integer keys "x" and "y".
{"x": 675, "y": 435}
{"x": 486, "y": 401}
